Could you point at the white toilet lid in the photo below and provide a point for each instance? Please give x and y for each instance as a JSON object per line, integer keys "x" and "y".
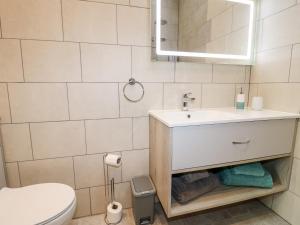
{"x": 34, "y": 204}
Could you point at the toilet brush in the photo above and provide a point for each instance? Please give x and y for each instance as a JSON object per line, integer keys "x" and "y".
{"x": 113, "y": 213}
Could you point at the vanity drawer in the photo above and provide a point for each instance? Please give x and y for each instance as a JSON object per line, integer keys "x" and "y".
{"x": 204, "y": 145}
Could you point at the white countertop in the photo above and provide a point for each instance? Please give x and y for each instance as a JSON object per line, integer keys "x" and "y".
{"x": 177, "y": 118}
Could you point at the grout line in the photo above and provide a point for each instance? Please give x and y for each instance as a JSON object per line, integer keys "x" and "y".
{"x": 74, "y": 176}
{"x": 80, "y": 59}
{"x": 19, "y": 173}
{"x": 85, "y": 139}
{"x": 9, "y": 105}
{"x": 280, "y": 11}
{"x": 1, "y": 34}
{"x": 291, "y": 59}
{"x": 62, "y": 20}
{"x": 68, "y": 102}
{"x": 30, "y": 138}
{"x": 118, "y": 4}
{"x": 90, "y": 196}
{"x": 22, "y": 61}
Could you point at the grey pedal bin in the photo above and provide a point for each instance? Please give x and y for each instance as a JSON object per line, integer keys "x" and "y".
{"x": 143, "y": 193}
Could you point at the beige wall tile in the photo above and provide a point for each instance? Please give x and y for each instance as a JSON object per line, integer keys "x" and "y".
{"x": 88, "y": 171}
{"x": 282, "y": 28}
{"x": 105, "y": 63}
{"x": 47, "y": 171}
{"x": 229, "y": 74}
{"x": 272, "y": 66}
{"x": 173, "y": 94}
{"x": 98, "y": 200}
{"x": 133, "y": 26}
{"x": 290, "y": 213}
{"x": 89, "y": 22}
{"x": 218, "y": 95}
{"x": 83, "y": 203}
{"x": 240, "y": 16}
{"x": 221, "y": 24}
{"x": 16, "y": 142}
{"x": 58, "y": 139}
{"x": 108, "y": 135}
{"x": 295, "y": 65}
{"x": 123, "y": 194}
{"x": 143, "y": 69}
{"x": 31, "y": 19}
{"x": 131, "y": 167}
{"x": 297, "y": 144}
{"x": 46, "y": 61}
{"x": 295, "y": 179}
{"x": 121, "y": 2}
{"x": 269, "y": 7}
{"x": 10, "y": 61}
{"x": 141, "y": 132}
{"x": 4, "y": 105}
{"x": 140, "y": 3}
{"x": 153, "y": 99}
{"x": 38, "y": 102}
{"x": 280, "y": 96}
{"x": 193, "y": 72}
{"x": 93, "y": 101}
{"x": 13, "y": 179}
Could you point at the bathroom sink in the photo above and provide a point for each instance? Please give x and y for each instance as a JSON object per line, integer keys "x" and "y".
{"x": 174, "y": 118}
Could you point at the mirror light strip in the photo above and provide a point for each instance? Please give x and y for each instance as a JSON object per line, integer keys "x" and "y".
{"x": 206, "y": 55}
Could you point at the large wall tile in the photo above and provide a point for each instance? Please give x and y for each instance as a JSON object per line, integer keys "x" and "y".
{"x": 221, "y": 24}
{"x": 143, "y": 69}
{"x": 16, "y": 142}
{"x": 38, "y": 102}
{"x": 193, "y": 72}
{"x": 141, "y": 132}
{"x": 270, "y": 7}
{"x": 4, "y": 105}
{"x": 297, "y": 144}
{"x": 282, "y": 29}
{"x": 93, "y": 166}
{"x": 93, "y": 101}
{"x": 130, "y": 166}
{"x": 218, "y": 95}
{"x": 13, "y": 178}
{"x": 105, "y": 63}
{"x": 133, "y": 26}
{"x": 108, "y": 135}
{"x": 10, "y": 61}
{"x": 83, "y": 202}
{"x": 272, "y": 66}
{"x": 295, "y": 65}
{"x": 280, "y": 96}
{"x": 47, "y": 171}
{"x": 58, "y": 139}
{"x": 121, "y": 2}
{"x": 140, "y": 3}
{"x": 295, "y": 179}
{"x": 123, "y": 194}
{"x": 51, "y": 61}
{"x": 89, "y": 22}
{"x": 31, "y": 19}
{"x": 173, "y": 94}
{"x": 229, "y": 74}
{"x": 153, "y": 99}
{"x": 98, "y": 200}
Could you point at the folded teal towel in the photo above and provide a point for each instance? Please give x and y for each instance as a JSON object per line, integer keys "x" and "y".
{"x": 251, "y": 169}
{"x": 230, "y": 179}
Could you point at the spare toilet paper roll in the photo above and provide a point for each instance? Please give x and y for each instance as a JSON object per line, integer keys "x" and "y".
{"x": 257, "y": 103}
{"x": 114, "y": 212}
{"x": 113, "y": 160}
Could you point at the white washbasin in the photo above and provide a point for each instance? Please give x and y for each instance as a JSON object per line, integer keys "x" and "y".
{"x": 174, "y": 118}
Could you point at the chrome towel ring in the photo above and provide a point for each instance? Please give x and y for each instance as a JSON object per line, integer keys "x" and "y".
{"x": 132, "y": 82}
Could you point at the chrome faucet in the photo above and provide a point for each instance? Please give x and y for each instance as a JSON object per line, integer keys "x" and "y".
{"x": 185, "y": 100}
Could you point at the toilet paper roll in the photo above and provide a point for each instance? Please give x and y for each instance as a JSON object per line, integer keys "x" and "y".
{"x": 257, "y": 103}
{"x": 114, "y": 212}
{"x": 113, "y": 160}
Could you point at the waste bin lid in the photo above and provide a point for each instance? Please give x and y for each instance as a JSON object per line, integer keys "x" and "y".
{"x": 142, "y": 186}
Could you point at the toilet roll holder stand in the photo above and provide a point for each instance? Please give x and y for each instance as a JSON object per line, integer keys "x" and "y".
{"x": 109, "y": 194}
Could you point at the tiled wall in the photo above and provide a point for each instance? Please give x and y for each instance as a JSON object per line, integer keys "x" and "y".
{"x": 63, "y": 65}
{"x": 276, "y": 77}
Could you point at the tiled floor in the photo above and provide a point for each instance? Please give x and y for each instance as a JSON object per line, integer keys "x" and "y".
{"x": 250, "y": 213}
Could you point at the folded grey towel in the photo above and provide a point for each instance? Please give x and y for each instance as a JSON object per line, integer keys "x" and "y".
{"x": 185, "y": 192}
{"x": 192, "y": 177}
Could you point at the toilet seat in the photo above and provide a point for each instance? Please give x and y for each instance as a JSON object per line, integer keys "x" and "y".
{"x": 35, "y": 205}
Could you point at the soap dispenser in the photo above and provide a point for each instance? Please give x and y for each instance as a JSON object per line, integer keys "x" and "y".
{"x": 240, "y": 100}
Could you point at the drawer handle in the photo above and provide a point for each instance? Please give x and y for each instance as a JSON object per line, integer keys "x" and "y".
{"x": 241, "y": 142}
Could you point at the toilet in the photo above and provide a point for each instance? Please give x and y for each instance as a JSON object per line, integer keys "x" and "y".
{"x": 40, "y": 204}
